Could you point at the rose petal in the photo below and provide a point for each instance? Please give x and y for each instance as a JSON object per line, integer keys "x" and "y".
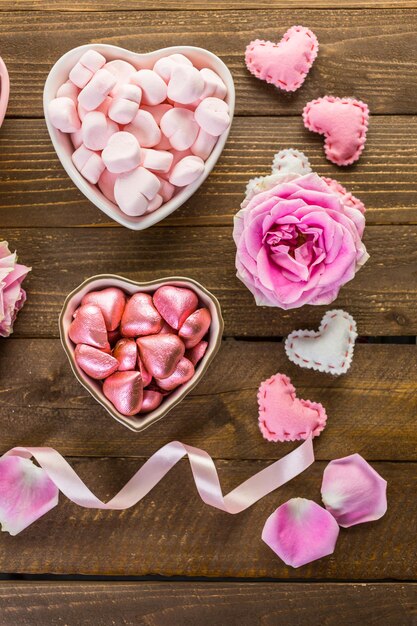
{"x": 300, "y": 531}
{"x": 26, "y": 493}
{"x": 353, "y": 492}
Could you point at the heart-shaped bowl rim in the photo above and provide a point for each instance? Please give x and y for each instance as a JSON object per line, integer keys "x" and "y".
{"x": 4, "y": 90}
{"x": 101, "y": 281}
{"x": 62, "y": 141}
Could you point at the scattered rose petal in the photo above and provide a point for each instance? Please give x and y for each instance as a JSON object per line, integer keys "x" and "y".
{"x": 353, "y": 492}
{"x": 300, "y": 531}
{"x": 26, "y": 493}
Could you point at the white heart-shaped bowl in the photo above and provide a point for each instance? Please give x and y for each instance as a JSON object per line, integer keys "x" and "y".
{"x": 62, "y": 141}
{"x": 101, "y": 281}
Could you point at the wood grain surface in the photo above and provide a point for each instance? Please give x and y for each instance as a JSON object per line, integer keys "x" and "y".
{"x": 37, "y": 192}
{"x": 370, "y": 55}
{"x": 368, "y": 50}
{"x": 187, "y": 604}
{"x": 371, "y": 411}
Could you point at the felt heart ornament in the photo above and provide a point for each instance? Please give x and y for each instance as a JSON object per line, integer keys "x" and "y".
{"x": 62, "y": 142}
{"x": 4, "y": 90}
{"x": 125, "y": 389}
{"x": 343, "y": 122}
{"x": 330, "y": 349}
{"x": 283, "y": 416}
{"x": 284, "y": 64}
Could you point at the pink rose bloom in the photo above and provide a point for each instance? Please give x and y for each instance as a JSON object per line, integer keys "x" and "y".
{"x": 12, "y": 296}
{"x": 298, "y": 241}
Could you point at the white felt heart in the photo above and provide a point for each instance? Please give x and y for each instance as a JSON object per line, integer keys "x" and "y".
{"x": 62, "y": 142}
{"x": 330, "y": 349}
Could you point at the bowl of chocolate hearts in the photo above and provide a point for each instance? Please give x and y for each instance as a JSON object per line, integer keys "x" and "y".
{"x": 139, "y": 348}
{"x": 138, "y": 133}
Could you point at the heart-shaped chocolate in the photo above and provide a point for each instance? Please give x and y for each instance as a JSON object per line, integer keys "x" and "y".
{"x": 156, "y": 402}
{"x": 284, "y": 64}
{"x": 330, "y": 349}
{"x": 160, "y": 354}
{"x": 283, "y": 416}
{"x": 140, "y": 317}
{"x": 175, "y": 304}
{"x": 111, "y": 302}
{"x": 88, "y": 327}
{"x": 95, "y": 362}
{"x": 125, "y": 391}
{"x": 62, "y": 143}
{"x": 343, "y": 122}
{"x": 4, "y": 90}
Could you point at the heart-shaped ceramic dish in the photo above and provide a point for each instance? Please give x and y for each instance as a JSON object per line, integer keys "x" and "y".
{"x": 64, "y": 148}
{"x": 101, "y": 281}
{"x": 4, "y": 90}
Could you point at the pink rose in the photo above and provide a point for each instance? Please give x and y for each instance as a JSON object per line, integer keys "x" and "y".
{"x": 298, "y": 241}
{"x": 12, "y": 296}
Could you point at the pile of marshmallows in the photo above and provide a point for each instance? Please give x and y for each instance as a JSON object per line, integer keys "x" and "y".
{"x": 142, "y": 347}
{"x": 140, "y": 134}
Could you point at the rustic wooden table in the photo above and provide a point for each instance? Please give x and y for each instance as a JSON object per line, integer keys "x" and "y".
{"x": 187, "y": 563}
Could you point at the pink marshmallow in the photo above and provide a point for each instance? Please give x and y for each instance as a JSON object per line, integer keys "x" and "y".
{"x": 167, "y": 190}
{"x": 92, "y": 60}
{"x": 97, "y": 89}
{"x": 122, "y": 71}
{"x": 134, "y": 190}
{"x": 165, "y": 65}
{"x": 103, "y": 108}
{"x": 212, "y": 114}
{"x": 68, "y": 90}
{"x": 203, "y": 145}
{"x": 77, "y": 138}
{"x": 186, "y": 84}
{"x": 180, "y": 127}
{"x": 122, "y": 153}
{"x": 155, "y": 204}
{"x": 157, "y": 160}
{"x": 186, "y": 171}
{"x": 80, "y": 75}
{"x": 88, "y": 163}
{"x": 213, "y": 84}
{"x": 64, "y": 115}
{"x": 145, "y": 129}
{"x": 154, "y": 90}
{"x": 97, "y": 130}
{"x": 125, "y": 104}
{"x": 106, "y": 185}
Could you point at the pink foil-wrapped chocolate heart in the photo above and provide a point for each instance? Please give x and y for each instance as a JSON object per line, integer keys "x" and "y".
{"x": 126, "y": 353}
{"x": 111, "y": 302}
{"x": 195, "y": 327}
{"x": 146, "y": 376}
{"x": 151, "y": 400}
{"x": 95, "y": 362}
{"x": 160, "y": 353}
{"x": 175, "y": 304}
{"x": 196, "y": 353}
{"x": 88, "y": 327}
{"x": 125, "y": 391}
{"x": 140, "y": 317}
{"x": 182, "y": 373}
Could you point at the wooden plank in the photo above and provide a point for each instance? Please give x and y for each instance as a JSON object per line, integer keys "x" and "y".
{"x": 172, "y": 533}
{"x": 382, "y": 297}
{"x": 36, "y": 191}
{"x": 361, "y": 51}
{"x": 194, "y": 5}
{"x": 172, "y": 604}
{"x": 371, "y": 410}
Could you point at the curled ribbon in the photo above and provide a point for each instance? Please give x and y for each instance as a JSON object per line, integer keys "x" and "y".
{"x": 62, "y": 475}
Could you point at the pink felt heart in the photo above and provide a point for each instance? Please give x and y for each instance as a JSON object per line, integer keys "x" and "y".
{"x": 343, "y": 122}
{"x": 284, "y": 64}
{"x": 283, "y": 416}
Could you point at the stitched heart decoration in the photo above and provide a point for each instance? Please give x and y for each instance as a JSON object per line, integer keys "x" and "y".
{"x": 62, "y": 142}
{"x": 283, "y": 416}
{"x": 343, "y": 122}
{"x": 330, "y": 349}
{"x": 284, "y": 64}
{"x": 4, "y": 90}
{"x": 101, "y": 363}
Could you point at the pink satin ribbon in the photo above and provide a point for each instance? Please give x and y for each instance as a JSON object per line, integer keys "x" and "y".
{"x": 154, "y": 469}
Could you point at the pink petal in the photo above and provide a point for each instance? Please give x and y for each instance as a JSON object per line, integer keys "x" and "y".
{"x": 26, "y": 493}
{"x": 353, "y": 492}
{"x": 300, "y": 531}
